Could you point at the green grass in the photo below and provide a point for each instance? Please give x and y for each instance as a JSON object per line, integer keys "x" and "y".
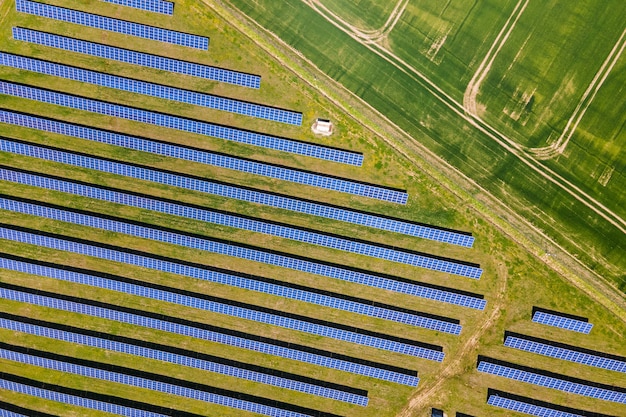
{"x": 365, "y": 14}
{"x": 528, "y": 281}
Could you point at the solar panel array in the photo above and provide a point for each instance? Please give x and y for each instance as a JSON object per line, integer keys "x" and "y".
{"x": 151, "y": 89}
{"x": 206, "y": 157}
{"x": 552, "y": 382}
{"x": 231, "y": 280}
{"x": 111, "y": 24}
{"x": 562, "y": 322}
{"x": 565, "y": 354}
{"x": 191, "y": 154}
{"x": 137, "y": 58}
{"x": 208, "y": 129}
{"x": 526, "y": 408}
{"x": 212, "y": 336}
{"x": 157, "y": 6}
{"x": 75, "y": 400}
{"x": 275, "y": 318}
{"x": 363, "y": 278}
{"x": 240, "y": 222}
{"x": 160, "y": 386}
{"x": 188, "y": 361}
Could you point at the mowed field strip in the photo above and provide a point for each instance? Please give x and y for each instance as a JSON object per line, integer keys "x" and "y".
{"x": 144, "y": 261}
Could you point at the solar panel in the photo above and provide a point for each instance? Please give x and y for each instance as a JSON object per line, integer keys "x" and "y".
{"x": 140, "y": 382}
{"x": 74, "y": 400}
{"x": 136, "y": 172}
{"x": 225, "y": 219}
{"x": 208, "y": 129}
{"x": 212, "y": 336}
{"x": 266, "y": 316}
{"x": 562, "y": 322}
{"x": 151, "y": 89}
{"x": 239, "y": 281}
{"x": 183, "y": 360}
{"x": 527, "y": 408}
{"x": 157, "y": 6}
{"x": 552, "y": 382}
{"x": 210, "y": 158}
{"x": 390, "y": 283}
{"x": 565, "y": 354}
{"x": 7, "y": 413}
{"x": 111, "y": 24}
{"x": 137, "y": 58}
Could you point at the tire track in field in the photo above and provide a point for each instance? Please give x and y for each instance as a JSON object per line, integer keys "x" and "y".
{"x": 469, "y": 97}
{"x": 560, "y": 144}
{"x": 478, "y": 123}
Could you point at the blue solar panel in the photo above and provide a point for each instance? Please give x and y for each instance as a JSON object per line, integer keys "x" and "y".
{"x": 562, "y": 322}
{"x": 136, "y": 172}
{"x": 211, "y": 336}
{"x": 112, "y": 25}
{"x": 137, "y": 58}
{"x": 275, "y": 319}
{"x": 150, "y": 89}
{"x": 135, "y": 381}
{"x": 565, "y": 354}
{"x": 7, "y": 413}
{"x": 527, "y": 408}
{"x": 75, "y": 400}
{"x": 223, "y": 219}
{"x": 236, "y": 281}
{"x": 157, "y": 6}
{"x": 212, "y": 130}
{"x": 205, "y": 157}
{"x": 191, "y": 362}
{"x": 552, "y": 382}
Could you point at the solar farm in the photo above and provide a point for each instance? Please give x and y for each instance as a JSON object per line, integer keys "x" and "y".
{"x": 176, "y": 240}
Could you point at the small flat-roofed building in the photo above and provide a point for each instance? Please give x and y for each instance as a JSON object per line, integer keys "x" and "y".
{"x": 322, "y": 127}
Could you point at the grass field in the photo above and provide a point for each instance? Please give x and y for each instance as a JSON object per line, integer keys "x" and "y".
{"x": 513, "y": 279}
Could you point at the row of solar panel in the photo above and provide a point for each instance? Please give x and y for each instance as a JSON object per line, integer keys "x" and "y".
{"x": 565, "y": 354}
{"x": 151, "y": 89}
{"x": 253, "y": 313}
{"x": 208, "y": 129}
{"x": 212, "y": 336}
{"x": 210, "y": 158}
{"x": 111, "y": 24}
{"x": 183, "y": 360}
{"x": 562, "y": 322}
{"x": 552, "y": 382}
{"x": 137, "y": 58}
{"x": 205, "y": 157}
{"x": 72, "y": 400}
{"x": 157, "y": 6}
{"x": 526, "y": 408}
{"x": 207, "y": 244}
{"x": 384, "y": 282}
{"x": 247, "y": 282}
{"x": 104, "y": 375}
{"x": 235, "y": 221}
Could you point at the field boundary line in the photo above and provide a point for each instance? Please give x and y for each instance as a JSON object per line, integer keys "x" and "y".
{"x": 507, "y": 143}
{"x": 473, "y": 87}
{"x": 560, "y": 144}
{"x": 431, "y": 164}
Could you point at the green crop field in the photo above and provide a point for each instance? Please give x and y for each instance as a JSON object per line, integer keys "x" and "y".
{"x": 520, "y": 270}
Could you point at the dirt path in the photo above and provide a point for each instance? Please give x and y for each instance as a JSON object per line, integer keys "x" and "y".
{"x": 560, "y": 144}
{"x": 368, "y": 36}
{"x": 507, "y": 143}
{"x": 456, "y": 366}
{"x": 469, "y": 98}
